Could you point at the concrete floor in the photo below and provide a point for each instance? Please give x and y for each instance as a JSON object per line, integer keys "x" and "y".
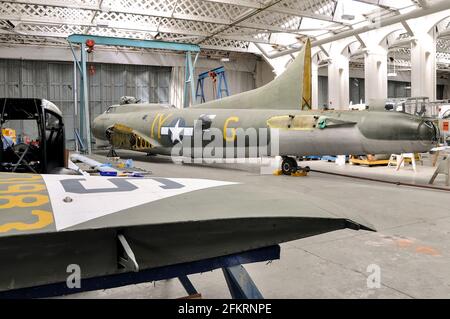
{"x": 411, "y": 246}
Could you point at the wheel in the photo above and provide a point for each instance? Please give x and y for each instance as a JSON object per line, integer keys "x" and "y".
{"x": 288, "y": 165}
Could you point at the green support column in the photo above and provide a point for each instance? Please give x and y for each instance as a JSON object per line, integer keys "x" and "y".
{"x": 84, "y": 115}
{"x": 189, "y": 80}
{"x": 81, "y": 110}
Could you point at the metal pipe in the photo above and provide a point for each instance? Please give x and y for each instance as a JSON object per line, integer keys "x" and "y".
{"x": 402, "y": 42}
{"x": 444, "y": 33}
{"x": 86, "y": 119}
{"x": 358, "y": 53}
{"x": 93, "y": 163}
{"x": 75, "y": 56}
{"x": 278, "y": 54}
{"x": 437, "y": 188}
{"x": 75, "y": 102}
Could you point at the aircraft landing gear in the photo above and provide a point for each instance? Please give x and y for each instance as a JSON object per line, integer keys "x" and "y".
{"x": 112, "y": 152}
{"x": 289, "y": 166}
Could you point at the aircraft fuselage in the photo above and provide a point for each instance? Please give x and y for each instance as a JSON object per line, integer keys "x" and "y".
{"x": 264, "y": 132}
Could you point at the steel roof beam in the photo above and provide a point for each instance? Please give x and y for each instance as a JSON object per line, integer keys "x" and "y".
{"x": 159, "y": 14}
{"x": 276, "y": 8}
{"x": 145, "y": 44}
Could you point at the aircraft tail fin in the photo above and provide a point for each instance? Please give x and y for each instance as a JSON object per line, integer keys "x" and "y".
{"x": 290, "y": 90}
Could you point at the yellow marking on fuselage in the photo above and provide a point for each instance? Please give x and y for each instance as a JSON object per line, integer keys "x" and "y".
{"x": 233, "y": 130}
{"x": 45, "y": 218}
{"x": 160, "y": 119}
{"x": 24, "y": 188}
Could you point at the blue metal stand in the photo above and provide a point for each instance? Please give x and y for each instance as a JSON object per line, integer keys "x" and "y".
{"x": 240, "y": 283}
{"x": 200, "y": 86}
{"x": 80, "y": 39}
{"x": 188, "y": 286}
{"x": 222, "y": 82}
{"x": 221, "y": 88}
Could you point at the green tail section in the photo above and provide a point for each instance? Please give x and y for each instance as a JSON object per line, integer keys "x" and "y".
{"x": 290, "y": 90}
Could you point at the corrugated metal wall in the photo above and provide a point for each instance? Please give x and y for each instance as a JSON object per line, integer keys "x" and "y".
{"x": 112, "y": 81}
{"x": 54, "y": 81}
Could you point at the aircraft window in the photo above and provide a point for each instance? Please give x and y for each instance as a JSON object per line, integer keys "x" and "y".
{"x": 25, "y": 131}
{"x": 446, "y": 115}
{"x": 51, "y": 121}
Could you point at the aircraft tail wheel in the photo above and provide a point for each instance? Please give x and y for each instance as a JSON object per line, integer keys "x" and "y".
{"x": 288, "y": 165}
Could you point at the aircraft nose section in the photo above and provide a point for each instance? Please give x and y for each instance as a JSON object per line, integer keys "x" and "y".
{"x": 428, "y": 131}
{"x": 97, "y": 127}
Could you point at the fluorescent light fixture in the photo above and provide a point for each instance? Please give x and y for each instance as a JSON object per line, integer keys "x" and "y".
{"x": 392, "y": 74}
{"x": 102, "y": 24}
{"x": 225, "y": 59}
{"x": 348, "y": 17}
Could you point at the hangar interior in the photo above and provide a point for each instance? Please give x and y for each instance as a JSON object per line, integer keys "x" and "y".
{"x": 363, "y": 53}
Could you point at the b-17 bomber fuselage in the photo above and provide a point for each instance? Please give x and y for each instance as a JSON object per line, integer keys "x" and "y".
{"x": 270, "y": 120}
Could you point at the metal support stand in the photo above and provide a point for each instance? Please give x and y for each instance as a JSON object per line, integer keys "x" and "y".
{"x": 78, "y": 142}
{"x": 223, "y": 84}
{"x": 189, "y": 287}
{"x": 112, "y": 152}
{"x": 221, "y": 88}
{"x": 240, "y": 283}
{"x": 21, "y": 159}
{"x": 126, "y": 256}
{"x": 444, "y": 169}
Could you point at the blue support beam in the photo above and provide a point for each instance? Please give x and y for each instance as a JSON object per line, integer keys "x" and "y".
{"x": 146, "y": 44}
{"x": 240, "y": 283}
{"x": 187, "y": 285}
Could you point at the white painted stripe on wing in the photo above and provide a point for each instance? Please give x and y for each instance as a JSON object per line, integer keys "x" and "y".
{"x": 103, "y": 197}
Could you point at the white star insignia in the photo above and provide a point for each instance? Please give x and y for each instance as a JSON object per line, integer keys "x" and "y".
{"x": 176, "y": 132}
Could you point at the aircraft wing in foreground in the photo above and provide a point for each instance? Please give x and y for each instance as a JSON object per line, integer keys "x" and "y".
{"x": 48, "y": 222}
